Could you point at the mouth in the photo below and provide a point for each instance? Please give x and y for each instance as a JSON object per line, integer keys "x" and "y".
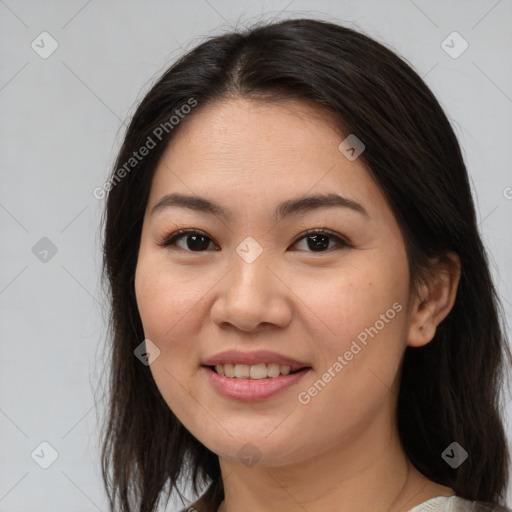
{"x": 254, "y": 384}
{"x": 253, "y": 376}
{"x": 254, "y": 364}
{"x": 259, "y": 371}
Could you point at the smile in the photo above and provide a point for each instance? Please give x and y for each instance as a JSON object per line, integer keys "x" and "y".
{"x": 254, "y": 371}
{"x": 246, "y": 388}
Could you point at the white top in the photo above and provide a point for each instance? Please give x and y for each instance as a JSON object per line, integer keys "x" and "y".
{"x": 441, "y": 504}
{"x": 452, "y": 504}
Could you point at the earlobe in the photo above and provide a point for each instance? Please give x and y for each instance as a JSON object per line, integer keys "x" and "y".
{"x": 434, "y": 300}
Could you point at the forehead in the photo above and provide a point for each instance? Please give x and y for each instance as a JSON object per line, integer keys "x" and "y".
{"x": 252, "y": 152}
{"x": 255, "y": 129}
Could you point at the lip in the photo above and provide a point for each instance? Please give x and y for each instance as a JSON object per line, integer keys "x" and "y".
{"x": 251, "y": 390}
{"x": 255, "y": 357}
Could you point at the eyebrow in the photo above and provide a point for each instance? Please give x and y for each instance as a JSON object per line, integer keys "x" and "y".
{"x": 284, "y": 209}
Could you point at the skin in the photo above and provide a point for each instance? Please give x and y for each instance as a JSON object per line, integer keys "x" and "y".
{"x": 341, "y": 451}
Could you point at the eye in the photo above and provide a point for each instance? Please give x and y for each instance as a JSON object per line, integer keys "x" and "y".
{"x": 195, "y": 240}
{"x": 318, "y": 240}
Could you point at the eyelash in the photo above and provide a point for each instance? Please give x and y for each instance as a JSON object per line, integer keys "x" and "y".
{"x": 171, "y": 239}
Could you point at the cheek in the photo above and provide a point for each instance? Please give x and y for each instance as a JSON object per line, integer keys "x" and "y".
{"x": 165, "y": 298}
{"x": 364, "y": 322}
{"x": 173, "y": 306}
{"x": 355, "y": 302}
{"x": 167, "y": 308}
{"x": 168, "y": 305}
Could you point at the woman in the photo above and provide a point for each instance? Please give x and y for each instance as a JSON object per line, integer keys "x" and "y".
{"x": 302, "y": 312}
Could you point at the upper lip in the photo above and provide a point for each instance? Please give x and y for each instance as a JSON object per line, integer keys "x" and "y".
{"x": 251, "y": 358}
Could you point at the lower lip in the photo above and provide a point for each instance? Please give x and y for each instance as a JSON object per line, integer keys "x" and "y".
{"x": 250, "y": 390}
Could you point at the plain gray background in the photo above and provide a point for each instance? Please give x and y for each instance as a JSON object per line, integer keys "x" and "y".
{"x": 61, "y": 124}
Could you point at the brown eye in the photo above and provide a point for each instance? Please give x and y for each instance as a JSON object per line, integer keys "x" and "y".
{"x": 194, "y": 241}
{"x": 319, "y": 240}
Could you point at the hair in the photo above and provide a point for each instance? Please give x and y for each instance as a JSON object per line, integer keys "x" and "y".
{"x": 450, "y": 389}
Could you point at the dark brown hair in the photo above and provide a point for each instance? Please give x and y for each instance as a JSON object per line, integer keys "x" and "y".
{"x": 450, "y": 389}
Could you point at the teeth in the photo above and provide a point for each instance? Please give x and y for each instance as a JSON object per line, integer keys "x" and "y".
{"x": 273, "y": 370}
{"x": 258, "y": 371}
{"x": 229, "y": 369}
{"x": 242, "y": 371}
{"x": 254, "y": 371}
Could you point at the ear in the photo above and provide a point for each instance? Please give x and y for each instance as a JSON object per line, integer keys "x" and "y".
{"x": 434, "y": 300}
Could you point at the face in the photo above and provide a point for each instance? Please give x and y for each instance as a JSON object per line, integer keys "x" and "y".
{"x": 323, "y": 285}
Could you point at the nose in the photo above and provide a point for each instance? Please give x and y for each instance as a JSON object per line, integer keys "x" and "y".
{"x": 252, "y": 296}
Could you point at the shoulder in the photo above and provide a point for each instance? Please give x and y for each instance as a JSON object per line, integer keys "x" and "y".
{"x": 457, "y": 504}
